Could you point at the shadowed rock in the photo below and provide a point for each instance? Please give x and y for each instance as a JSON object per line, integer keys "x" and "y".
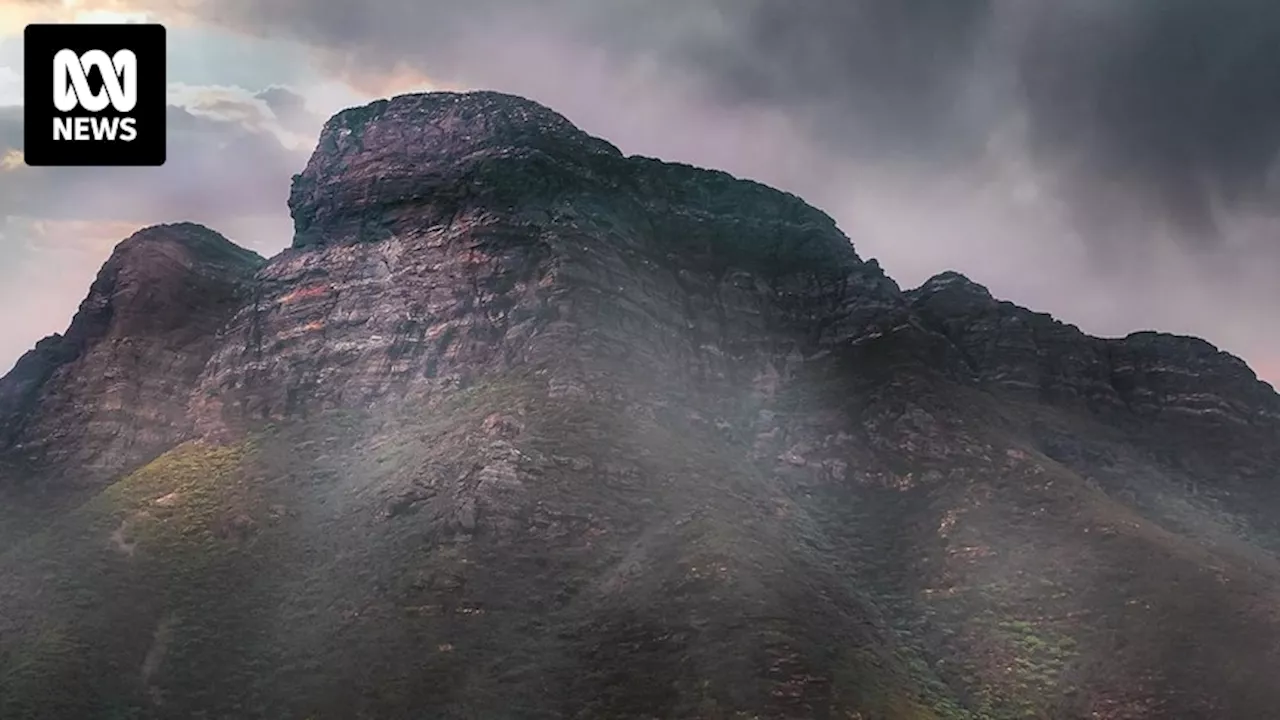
{"x": 522, "y": 427}
{"x": 111, "y": 392}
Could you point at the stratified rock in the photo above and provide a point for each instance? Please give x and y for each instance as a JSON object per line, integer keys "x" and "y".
{"x": 1181, "y": 396}
{"x": 111, "y": 393}
{"x": 443, "y": 236}
{"x": 522, "y": 427}
{"x": 1015, "y": 349}
{"x": 411, "y": 163}
{"x": 20, "y": 390}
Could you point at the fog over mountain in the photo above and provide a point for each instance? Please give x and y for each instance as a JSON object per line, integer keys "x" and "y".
{"x": 521, "y": 426}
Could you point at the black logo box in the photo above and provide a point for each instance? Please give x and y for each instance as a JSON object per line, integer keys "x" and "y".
{"x": 42, "y": 42}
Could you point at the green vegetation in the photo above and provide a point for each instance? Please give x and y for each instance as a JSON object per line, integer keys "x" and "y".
{"x": 503, "y": 545}
{"x": 158, "y": 543}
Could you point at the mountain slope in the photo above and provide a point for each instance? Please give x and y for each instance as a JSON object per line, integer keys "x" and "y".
{"x": 110, "y": 393}
{"x": 522, "y": 427}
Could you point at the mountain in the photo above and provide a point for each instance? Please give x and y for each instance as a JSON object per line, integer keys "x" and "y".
{"x": 521, "y": 427}
{"x": 109, "y": 394}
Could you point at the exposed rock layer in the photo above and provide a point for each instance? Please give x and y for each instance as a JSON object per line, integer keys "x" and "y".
{"x": 112, "y": 392}
{"x": 522, "y": 427}
{"x": 443, "y": 236}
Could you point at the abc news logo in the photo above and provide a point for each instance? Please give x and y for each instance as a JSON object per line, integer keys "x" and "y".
{"x": 95, "y": 94}
{"x": 71, "y": 90}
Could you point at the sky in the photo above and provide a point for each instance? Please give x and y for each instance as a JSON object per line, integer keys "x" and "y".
{"x": 1112, "y": 163}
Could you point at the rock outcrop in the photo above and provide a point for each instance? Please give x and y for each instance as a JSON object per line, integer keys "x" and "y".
{"x": 1180, "y": 396}
{"x": 522, "y": 427}
{"x": 1146, "y": 373}
{"x": 111, "y": 393}
{"x": 443, "y": 236}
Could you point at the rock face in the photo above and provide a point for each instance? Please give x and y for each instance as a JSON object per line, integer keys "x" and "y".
{"x": 522, "y": 427}
{"x": 441, "y": 237}
{"x": 1181, "y": 395}
{"x": 111, "y": 393}
{"x": 1146, "y": 373}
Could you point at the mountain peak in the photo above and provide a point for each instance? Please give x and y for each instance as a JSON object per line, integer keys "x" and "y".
{"x": 437, "y": 151}
{"x": 197, "y": 242}
{"x": 414, "y": 164}
{"x": 149, "y": 278}
{"x": 953, "y": 281}
{"x": 454, "y": 123}
{"x": 114, "y": 381}
{"x": 519, "y": 415}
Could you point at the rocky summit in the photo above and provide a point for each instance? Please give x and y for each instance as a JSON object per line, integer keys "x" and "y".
{"x": 522, "y": 427}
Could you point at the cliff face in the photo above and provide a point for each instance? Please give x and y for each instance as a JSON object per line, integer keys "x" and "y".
{"x": 1179, "y": 399}
{"x": 442, "y": 237}
{"x": 522, "y": 427}
{"x": 1146, "y": 374}
{"x": 111, "y": 393}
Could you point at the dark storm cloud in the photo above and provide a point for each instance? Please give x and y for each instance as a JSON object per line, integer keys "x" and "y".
{"x": 880, "y": 75}
{"x": 1179, "y": 97}
{"x": 1175, "y": 101}
{"x": 1110, "y": 161}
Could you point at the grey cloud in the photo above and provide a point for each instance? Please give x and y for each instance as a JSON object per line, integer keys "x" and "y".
{"x": 10, "y": 126}
{"x": 878, "y": 74}
{"x": 1179, "y": 97}
{"x": 290, "y": 109}
{"x": 1111, "y": 162}
{"x": 198, "y": 181}
{"x": 1174, "y": 100}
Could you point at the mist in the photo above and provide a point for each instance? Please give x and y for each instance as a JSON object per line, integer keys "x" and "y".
{"x": 1077, "y": 160}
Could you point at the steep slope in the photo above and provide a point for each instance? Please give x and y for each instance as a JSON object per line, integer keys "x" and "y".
{"x": 1199, "y": 414}
{"x": 441, "y": 237}
{"x": 1174, "y": 444}
{"x": 110, "y": 394}
{"x": 522, "y": 427}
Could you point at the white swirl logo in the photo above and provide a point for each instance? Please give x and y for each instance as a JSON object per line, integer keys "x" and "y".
{"x": 71, "y": 81}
